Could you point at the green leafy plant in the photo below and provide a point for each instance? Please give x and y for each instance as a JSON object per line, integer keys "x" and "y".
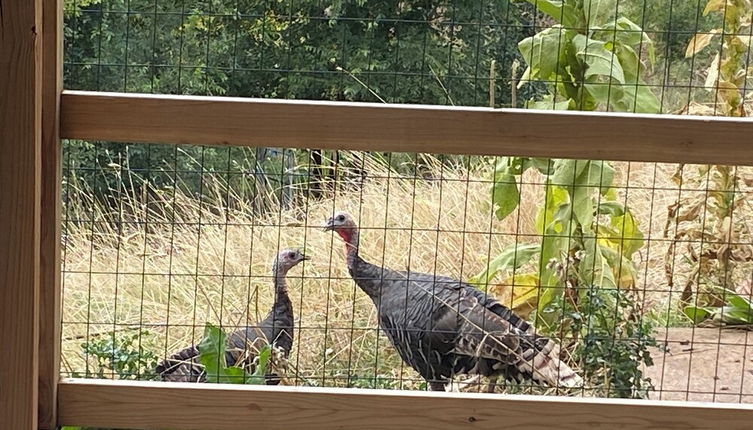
{"x": 588, "y": 61}
{"x": 581, "y": 215}
{"x": 610, "y": 327}
{"x": 591, "y": 59}
{"x": 120, "y": 355}
{"x": 737, "y": 310}
{"x": 212, "y": 355}
{"x": 606, "y": 332}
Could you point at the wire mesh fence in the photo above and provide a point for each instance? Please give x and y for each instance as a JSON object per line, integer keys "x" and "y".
{"x": 639, "y": 273}
{"x": 624, "y": 55}
{"x": 618, "y": 285}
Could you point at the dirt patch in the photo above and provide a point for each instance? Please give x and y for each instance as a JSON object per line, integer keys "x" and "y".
{"x": 703, "y": 364}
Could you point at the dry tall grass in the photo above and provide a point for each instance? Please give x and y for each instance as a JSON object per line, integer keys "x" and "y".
{"x": 212, "y": 264}
{"x": 180, "y": 263}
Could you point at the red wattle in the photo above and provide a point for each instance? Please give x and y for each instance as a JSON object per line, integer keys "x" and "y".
{"x": 345, "y": 235}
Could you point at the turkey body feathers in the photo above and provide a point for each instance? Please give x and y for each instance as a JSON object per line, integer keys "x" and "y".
{"x": 443, "y": 327}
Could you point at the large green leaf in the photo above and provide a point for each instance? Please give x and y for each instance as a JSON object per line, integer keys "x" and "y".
{"x": 505, "y": 195}
{"x": 546, "y": 297}
{"x": 212, "y": 356}
{"x": 631, "y": 64}
{"x": 735, "y": 300}
{"x": 611, "y": 208}
{"x": 544, "y": 52}
{"x": 724, "y": 314}
{"x": 554, "y": 222}
{"x": 511, "y": 165}
{"x": 553, "y": 246}
{"x": 636, "y": 95}
{"x": 613, "y": 77}
{"x": 600, "y": 62}
{"x": 599, "y": 13}
{"x": 545, "y": 166}
{"x": 630, "y": 235}
{"x": 697, "y": 314}
{"x": 598, "y": 174}
{"x": 622, "y": 234}
{"x": 555, "y": 243}
{"x": 591, "y": 176}
{"x": 549, "y": 216}
{"x": 562, "y": 12}
{"x": 623, "y": 268}
{"x": 510, "y": 259}
{"x": 627, "y": 32}
{"x": 567, "y": 172}
{"x": 735, "y": 315}
{"x": 583, "y": 206}
{"x": 739, "y": 301}
{"x": 594, "y": 267}
{"x": 553, "y": 8}
{"x": 639, "y": 98}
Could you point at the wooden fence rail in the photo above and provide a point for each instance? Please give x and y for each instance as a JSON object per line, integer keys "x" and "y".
{"x": 405, "y": 128}
{"x": 147, "y": 405}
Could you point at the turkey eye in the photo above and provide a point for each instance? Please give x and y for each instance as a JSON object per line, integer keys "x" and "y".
{"x": 291, "y": 255}
{"x": 341, "y": 218}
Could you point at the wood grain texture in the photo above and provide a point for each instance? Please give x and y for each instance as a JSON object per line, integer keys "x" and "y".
{"x": 408, "y": 128}
{"x": 20, "y": 148}
{"x": 143, "y": 405}
{"x": 49, "y": 281}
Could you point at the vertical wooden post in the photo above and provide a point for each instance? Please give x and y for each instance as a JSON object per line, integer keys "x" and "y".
{"x": 20, "y": 162}
{"x": 49, "y": 276}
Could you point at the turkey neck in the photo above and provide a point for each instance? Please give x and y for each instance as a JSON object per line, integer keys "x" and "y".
{"x": 351, "y": 238}
{"x": 282, "y": 307}
{"x": 368, "y": 277}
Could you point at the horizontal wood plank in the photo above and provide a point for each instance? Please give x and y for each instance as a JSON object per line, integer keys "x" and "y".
{"x": 405, "y": 128}
{"x": 143, "y": 405}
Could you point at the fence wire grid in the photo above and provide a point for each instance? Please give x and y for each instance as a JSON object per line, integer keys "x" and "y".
{"x": 640, "y": 273}
{"x": 147, "y": 267}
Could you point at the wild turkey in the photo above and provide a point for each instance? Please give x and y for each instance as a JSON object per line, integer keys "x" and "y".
{"x": 242, "y": 345}
{"x": 443, "y": 327}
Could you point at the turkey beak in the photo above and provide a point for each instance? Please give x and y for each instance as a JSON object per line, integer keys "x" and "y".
{"x": 330, "y": 225}
{"x": 305, "y": 257}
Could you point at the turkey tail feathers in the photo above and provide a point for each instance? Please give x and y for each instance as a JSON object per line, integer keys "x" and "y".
{"x": 545, "y": 366}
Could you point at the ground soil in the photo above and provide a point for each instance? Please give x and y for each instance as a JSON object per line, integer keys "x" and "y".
{"x": 704, "y": 364}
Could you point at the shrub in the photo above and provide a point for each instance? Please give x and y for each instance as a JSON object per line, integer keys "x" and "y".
{"x": 120, "y": 355}
{"x": 612, "y": 342}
